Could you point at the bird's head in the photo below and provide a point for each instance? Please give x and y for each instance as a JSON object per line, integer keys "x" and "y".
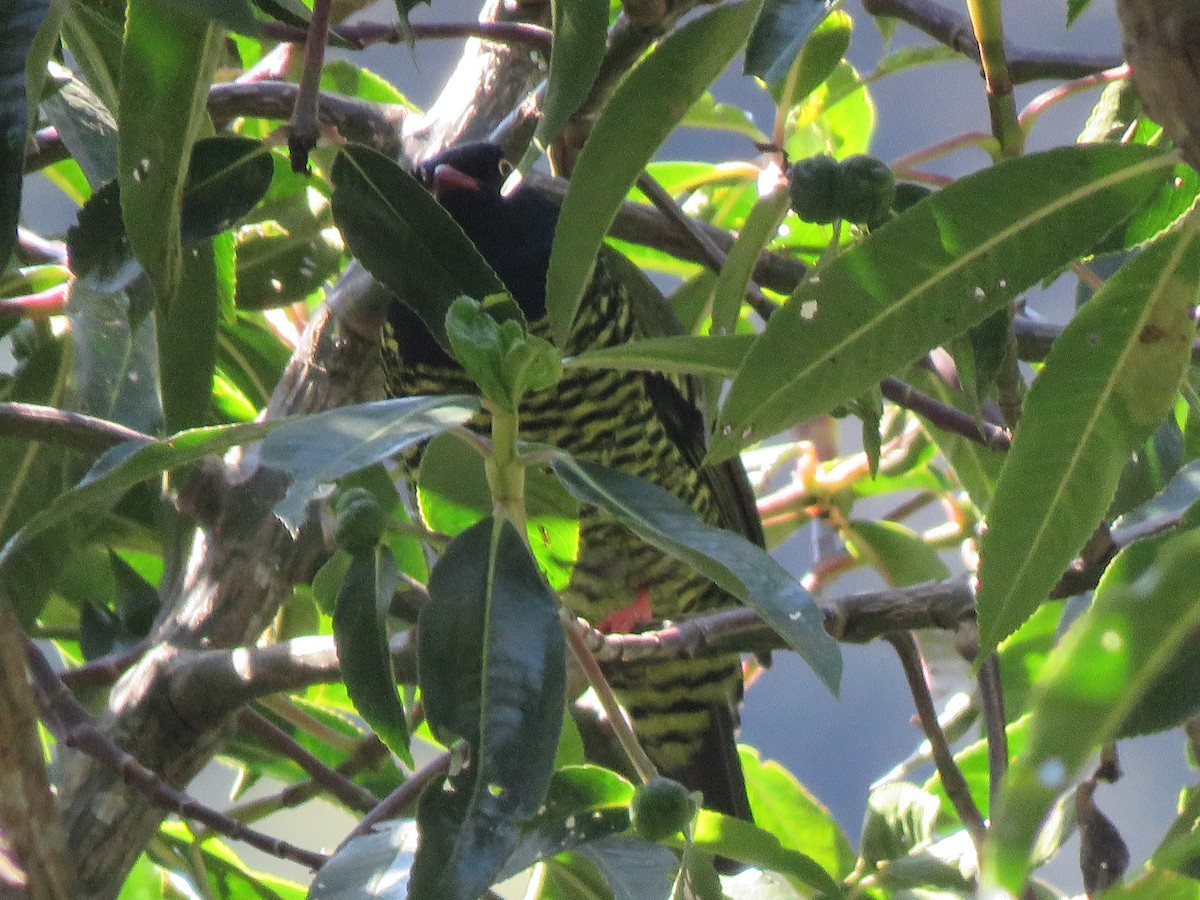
{"x": 466, "y": 174}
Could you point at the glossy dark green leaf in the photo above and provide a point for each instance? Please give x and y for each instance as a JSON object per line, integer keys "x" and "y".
{"x": 1091, "y": 683}
{"x": 643, "y": 110}
{"x": 941, "y": 266}
{"x": 138, "y": 601}
{"x": 1110, "y": 379}
{"x": 167, "y": 63}
{"x": 780, "y": 32}
{"x": 360, "y": 632}
{"x": 228, "y": 176}
{"x": 236, "y": 15}
{"x": 321, "y": 448}
{"x": 19, "y": 22}
{"x": 493, "y": 671}
{"x": 404, "y": 237}
{"x": 632, "y": 867}
{"x": 580, "y": 33}
{"x": 741, "y": 568}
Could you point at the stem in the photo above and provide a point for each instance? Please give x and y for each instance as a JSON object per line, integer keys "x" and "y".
{"x": 505, "y": 470}
{"x": 988, "y": 25}
{"x": 608, "y": 701}
{"x": 304, "y": 128}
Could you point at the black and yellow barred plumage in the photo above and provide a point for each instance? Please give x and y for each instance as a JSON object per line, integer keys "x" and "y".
{"x": 684, "y": 712}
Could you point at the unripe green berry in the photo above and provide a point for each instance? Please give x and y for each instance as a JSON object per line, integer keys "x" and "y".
{"x": 661, "y": 807}
{"x": 360, "y": 520}
{"x": 815, "y": 187}
{"x": 867, "y": 189}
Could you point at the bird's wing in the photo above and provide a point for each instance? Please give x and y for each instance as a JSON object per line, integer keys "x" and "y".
{"x": 680, "y": 401}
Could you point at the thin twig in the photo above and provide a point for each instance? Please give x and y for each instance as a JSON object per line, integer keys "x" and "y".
{"x": 954, "y": 30}
{"x": 65, "y": 429}
{"x": 338, "y": 785}
{"x": 72, "y": 725}
{"x": 945, "y": 417}
{"x": 952, "y": 777}
{"x": 991, "y": 693}
{"x": 303, "y": 127}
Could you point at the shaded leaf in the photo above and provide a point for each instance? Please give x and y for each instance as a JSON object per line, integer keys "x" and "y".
{"x": 580, "y": 34}
{"x": 678, "y": 355}
{"x": 643, "y": 110}
{"x": 360, "y": 632}
{"x": 1108, "y": 382}
{"x": 780, "y": 33}
{"x": 319, "y": 449}
{"x": 1091, "y": 682}
{"x": 404, "y": 237}
{"x": 85, "y": 125}
{"x": 743, "y": 569}
{"x": 382, "y": 857}
{"x": 944, "y": 264}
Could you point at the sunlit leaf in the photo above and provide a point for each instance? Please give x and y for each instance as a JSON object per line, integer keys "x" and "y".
{"x": 941, "y": 266}
{"x": 1109, "y": 381}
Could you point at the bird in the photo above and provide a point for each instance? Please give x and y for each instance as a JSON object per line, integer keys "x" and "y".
{"x": 684, "y": 712}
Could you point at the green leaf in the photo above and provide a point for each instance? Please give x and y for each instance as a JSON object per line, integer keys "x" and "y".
{"x": 944, "y": 264}
{"x": 321, "y": 448}
{"x": 633, "y": 868}
{"x": 404, "y": 237}
{"x": 708, "y": 113}
{"x": 1100, "y": 671}
{"x": 94, "y": 33}
{"x": 900, "y": 816}
{"x": 897, "y": 552}
{"x": 1075, "y": 8}
{"x": 643, "y": 110}
{"x": 227, "y": 177}
{"x": 492, "y": 658}
{"x": 730, "y": 290}
{"x": 744, "y": 570}
{"x": 580, "y": 36}
{"x": 360, "y": 632}
{"x": 384, "y": 856}
{"x": 167, "y": 63}
{"x": 785, "y": 808}
{"x": 780, "y": 33}
{"x": 85, "y": 125}
{"x": 1109, "y": 380}
{"x": 723, "y": 835}
{"x": 19, "y": 23}
{"x": 677, "y": 355}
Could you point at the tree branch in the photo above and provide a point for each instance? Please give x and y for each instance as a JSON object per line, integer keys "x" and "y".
{"x": 954, "y": 30}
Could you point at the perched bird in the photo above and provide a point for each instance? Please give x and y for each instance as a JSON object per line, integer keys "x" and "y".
{"x": 684, "y": 712}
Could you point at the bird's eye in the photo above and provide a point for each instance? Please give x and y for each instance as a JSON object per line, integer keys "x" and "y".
{"x": 505, "y": 167}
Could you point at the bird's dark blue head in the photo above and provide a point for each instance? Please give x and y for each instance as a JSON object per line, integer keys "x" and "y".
{"x": 514, "y": 233}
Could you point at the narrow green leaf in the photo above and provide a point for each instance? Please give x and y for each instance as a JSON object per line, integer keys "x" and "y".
{"x": 1075, "y": 8}
{"x": 643, "y": 110}
{"x": 580, "y": 36}
{"x": 87, "y": 128}
{"x": 356, "y": 870}
{"x": 780, "y": 33}
{"x": 493, "y": 671}
{"x": 1089, "y": 685}
{"x": 730, "y": 290}
{"x": 404, "y": 237}
{"x": 677, "y": 355}
{"x": 360, "y": 633}
{"x": 19, "y": 21}
{"x": 744, "y": 570}
{"x": 900, "y": 816}
{"x": 1109, "y": 380}
{"x": 707, "y": 112}
{"x": 897, "y": 552}
{"x": 321, "y": 448}
{"x": 944, "y": 264}
{"x": 167, "y": 63}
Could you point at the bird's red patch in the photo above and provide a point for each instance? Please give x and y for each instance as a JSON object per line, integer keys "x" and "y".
{"x": 629, "y": 619}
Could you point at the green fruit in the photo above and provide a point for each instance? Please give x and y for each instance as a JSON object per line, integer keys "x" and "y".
{"x": 360, "y": 520}
{"x": 815, "y": 188}
{"x": 661, "y": 808}
{"x": 867, "y": 189}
